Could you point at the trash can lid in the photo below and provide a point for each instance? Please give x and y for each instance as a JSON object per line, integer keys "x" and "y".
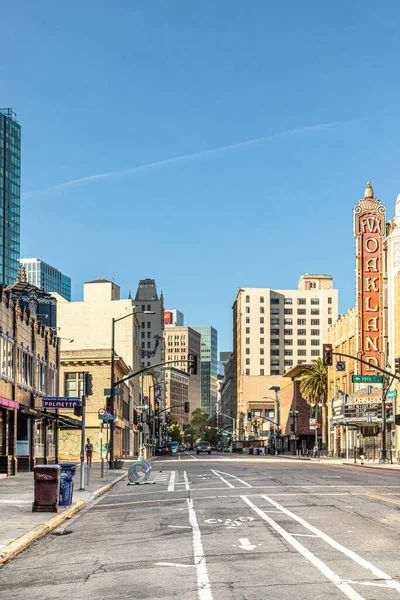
{"x": 46, "y": 467}
{"x": 67, "y": 465}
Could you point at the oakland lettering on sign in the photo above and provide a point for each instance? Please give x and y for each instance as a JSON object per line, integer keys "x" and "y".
{"x": 369, "y": 229}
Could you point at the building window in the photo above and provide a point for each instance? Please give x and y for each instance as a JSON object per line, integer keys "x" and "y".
{"x": 261, "y": 350}
{"x": 261, "y": 361}
{"x": 288, "y": 311}
{"x": 274, "y": 321}
{"x": 302, "y": 311}
{"x": 247, "y": 350}
{"x": 301, "y": 301}
{"x": 329, "y": 300}
{"x": 247, "y": 371}
{"x": 261, "y": 371}
{"x": 148, "y": 324}
{"x": 247, "y": 299}
{"x": 315, "y": 352}
{"x": 314, "y": 321}
{"x": 301, "y": 352}
{"x": 274, "y": 342}
{"x": 143, "y": 334}
{"x": 261, "y": 329}
{"x": 247, "y": 329}
{"x": 288, "y": 301}
{"x": 149, "y": 334}
{"x": 274, "y": 331}
{"x": 288, "y": 352}
{"x": 288, "y": 342}
{"x": 301, "y": 342}
{"x": 274, "y": 300}
{"x": 149, "y": 344}
{"x": 247, "y": 319}
{"x": 301, "y": 362}
{"x": 314, "y": 331}
{"x": 330, "y": 321}
{"x": 314, "y": 301}
{"x": 247, "y": 309}
{"x": 301, "y": 322}
{"x": 302, "y": 332}
{"x": 288, "y": 321}
{"x": 275, "y": 352}
{"x": 313, "y": 285}
{"x": 329, "y": 311}
{"x": 143, "y": 307}
{"x": 315, "y": 311}
{"x": 288, "y": 363}
{"x": 261, "y": 319}
{"x": 247, "y": 340}
{"x": 143, "y": 344}
{"x": 315, "y": 343}
{"x": 288, "y": 332}
{"x": 275, "y": 372}
{"x": 261, "y": 299}
{"x": 73, "y": 385}
{"x": 274, "y": 311}
{"x": 247, "y": 361}
{"x": 274, "y": 362}
{"x": 262, "y": 341}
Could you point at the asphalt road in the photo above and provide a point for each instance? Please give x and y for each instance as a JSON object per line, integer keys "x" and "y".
{"x": 225, "y": 527}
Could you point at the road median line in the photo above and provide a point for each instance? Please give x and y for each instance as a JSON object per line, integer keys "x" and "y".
{"x": 25, "y": 540}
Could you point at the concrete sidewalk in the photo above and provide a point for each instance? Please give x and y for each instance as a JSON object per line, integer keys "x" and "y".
{"x": 341, "y": 461}
{"x": 19, "y": 526}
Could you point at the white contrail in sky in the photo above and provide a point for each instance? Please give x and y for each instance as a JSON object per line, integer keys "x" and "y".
{"x": 177, "y": 159}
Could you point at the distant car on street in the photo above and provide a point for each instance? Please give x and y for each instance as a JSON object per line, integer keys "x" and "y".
{"x": 172, "y": 447}
{"x": 203, "y": 447}
{"x": 181, "y": 448}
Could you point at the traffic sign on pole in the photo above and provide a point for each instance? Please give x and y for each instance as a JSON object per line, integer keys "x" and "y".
{"x": 392, "y": 394}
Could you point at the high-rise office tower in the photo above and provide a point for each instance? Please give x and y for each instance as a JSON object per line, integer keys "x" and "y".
{"x": 151, "y": 325}
{"x": 46, "y": 277}
{"x": 10, "y": 195}
{"x": 209, "y": 368}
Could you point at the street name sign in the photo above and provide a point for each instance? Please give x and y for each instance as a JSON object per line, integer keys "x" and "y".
{"x": 60, "y": 402}
{"x": 392, "y": 394}
{"x": 367, "y": 378}
{"x": 117, "y": 392}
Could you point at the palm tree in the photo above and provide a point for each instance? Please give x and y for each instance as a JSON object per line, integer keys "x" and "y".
{"x": 314, "y": 389}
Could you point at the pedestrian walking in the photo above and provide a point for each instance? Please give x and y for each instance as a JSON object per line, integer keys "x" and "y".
{"x": 89, "y": 452}
{"x": 315, "y": 450}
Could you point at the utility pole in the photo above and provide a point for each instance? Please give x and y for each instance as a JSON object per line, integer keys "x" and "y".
{"x": 111, "y": 448}
{"x": 82, "y": 456}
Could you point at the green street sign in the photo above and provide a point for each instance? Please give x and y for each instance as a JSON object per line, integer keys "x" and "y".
{"x": 392, "y": 394}
{"x": 367, "y": 378}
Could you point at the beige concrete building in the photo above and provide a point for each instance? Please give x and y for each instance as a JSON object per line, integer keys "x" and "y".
{"x": 275, "y": 330}
{"x": 181, "y": 341}
{"x": 85, "y": 330}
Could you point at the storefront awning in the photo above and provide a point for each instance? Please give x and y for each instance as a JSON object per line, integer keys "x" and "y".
{"x": 8, "y": 403}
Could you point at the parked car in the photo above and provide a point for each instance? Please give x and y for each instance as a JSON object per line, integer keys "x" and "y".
{"x": 203, "y": 447}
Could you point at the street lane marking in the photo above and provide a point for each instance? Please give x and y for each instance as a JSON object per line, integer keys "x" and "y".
{"x": 314, "y": 560}
{"x": 302, "y": 534}
{"x": 203, "y": 582}
{"x": 222, "y": 479}
{"x": 234, "y": 477}
{"x": 245, "y": 544}
{"x": 392, "y": 583}
{"x": 163, "y": 564}
{"x": 383, "y": 498}
{"x": 180, "y": 526}
{"x": 171, "y": 485}
{"x": 194, "y": 458}
{"x": 185, "y": 477}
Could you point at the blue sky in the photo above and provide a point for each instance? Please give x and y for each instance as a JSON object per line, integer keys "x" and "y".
{"x": 103, "y": 88}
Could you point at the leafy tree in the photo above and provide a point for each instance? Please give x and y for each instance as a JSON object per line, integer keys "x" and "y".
{"x": 175, "y": 433}
{"x": 197, "y": 425}
{"x": 314, "y": 389}
{"x": 212, "y": 434}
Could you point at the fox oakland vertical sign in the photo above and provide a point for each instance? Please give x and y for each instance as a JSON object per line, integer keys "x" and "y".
{"x": 369, "y": 230}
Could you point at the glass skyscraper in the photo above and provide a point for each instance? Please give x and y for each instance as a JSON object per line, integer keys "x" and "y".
{"x": 209, "y": 368}
{"x": 46, "y": 277}
{"x": 10, "y": 195}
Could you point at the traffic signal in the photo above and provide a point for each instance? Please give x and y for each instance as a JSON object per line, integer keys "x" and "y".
{"x": 187, "y": 407}
{"x": 78, "y": 410}
{"x": 327, "y": 355}
{"x": 292, "y": 427}
{"x": 192, "y": 370}
{"x": 88, "y": 387}
{"x": 388, "y": 410}
{"x": 249, "y": 416}
{"x": 397, "y": 365}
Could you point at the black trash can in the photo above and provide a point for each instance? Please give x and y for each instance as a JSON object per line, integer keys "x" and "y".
{"x": 67, "y": 474}
{"x": 47, "y": 488}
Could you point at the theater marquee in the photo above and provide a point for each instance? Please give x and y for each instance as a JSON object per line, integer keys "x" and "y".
{"x": 369, "y": 229}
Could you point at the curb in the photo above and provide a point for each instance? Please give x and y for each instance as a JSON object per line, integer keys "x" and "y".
{"x": 39, "y": 531}
{"x": 364, "y": 466}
